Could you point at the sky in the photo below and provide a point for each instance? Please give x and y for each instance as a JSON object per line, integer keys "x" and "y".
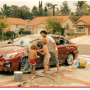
{"x": 31, "y": 3}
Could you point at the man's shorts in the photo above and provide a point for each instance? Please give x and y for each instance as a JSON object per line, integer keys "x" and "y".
{"x": 32, "y": 62}
{"x": 54, "y": 58}
{"x": 46, "y": 59}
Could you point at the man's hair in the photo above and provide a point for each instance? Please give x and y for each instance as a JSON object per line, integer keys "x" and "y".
{"x": 43, "y": 31}
{"x": 44, "y": 41}
{"x": 34, "y": 46}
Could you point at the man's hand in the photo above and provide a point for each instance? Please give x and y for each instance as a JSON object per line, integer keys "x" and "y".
{"x": 54, "y": 52}
{"x": 30, "y": 41}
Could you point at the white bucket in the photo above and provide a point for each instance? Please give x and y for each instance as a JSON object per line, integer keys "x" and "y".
{"x": 18, "y": 75}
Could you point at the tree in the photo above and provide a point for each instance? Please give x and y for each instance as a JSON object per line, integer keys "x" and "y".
{"x": 35, "y": 11}
{"x": 40, "y": 8}
{"x": 53, "y": 25}
{"x": 64, "y": 9}
{"x": 3, "y": 25}
{"x": 81, "y": 8}
{"x": 72, "y": 13}
{"x": 26, "y": 11}
{"x": 79, "y": 3}
{"x": 5, "y": 11}
{"x": 15, "y": 11}
{"x": 48, "y": 5}
{"x": 53, "y": 7}
{"x": 89, "y": 8}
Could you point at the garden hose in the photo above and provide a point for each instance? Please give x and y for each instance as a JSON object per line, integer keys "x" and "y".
{"x": 40, "y": 76}
{"x": 48, "y": 78}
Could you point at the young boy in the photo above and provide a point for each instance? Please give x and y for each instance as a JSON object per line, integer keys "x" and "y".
{"x": 46, "y": 54}
{"x": 32, "y": 57}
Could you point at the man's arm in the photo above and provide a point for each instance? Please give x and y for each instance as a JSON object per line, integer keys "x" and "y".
{"x": 34, "y": 40}
{"x": 54, "y": 44}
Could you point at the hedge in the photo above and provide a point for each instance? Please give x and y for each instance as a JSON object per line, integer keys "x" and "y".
{"x": 26, "y": 32}
{"x": 10, "y": 33}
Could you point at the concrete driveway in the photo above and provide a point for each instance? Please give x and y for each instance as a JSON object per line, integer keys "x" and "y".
{"x": 83, "y": 43}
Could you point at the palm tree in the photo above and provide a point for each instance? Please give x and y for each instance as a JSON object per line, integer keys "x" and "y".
{"x": 79, "y": 4}
{"x": 48, "y": 4}
{"x": 3, "y": 25}
{"x": 53, "y": 7}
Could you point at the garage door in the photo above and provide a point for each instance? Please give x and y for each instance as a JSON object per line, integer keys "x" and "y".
{"x": 39, "y": 30}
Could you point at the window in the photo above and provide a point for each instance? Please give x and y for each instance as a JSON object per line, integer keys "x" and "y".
{"x": 39, "y": 45}
{"x": 60, "y": 41}
{"x": 43, "y": 24}
{"x": 65, "y": 41}
{"x": 16, "y": 26}
{"x": 80, "y": 28}
{"x": 30, "y": 29}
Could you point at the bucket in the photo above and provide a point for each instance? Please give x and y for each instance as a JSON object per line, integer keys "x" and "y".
{"x": 81, "y": 64}
{"x": 18, "y": 75}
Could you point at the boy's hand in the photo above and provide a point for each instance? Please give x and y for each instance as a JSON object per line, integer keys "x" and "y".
{"x": 38, "y": 56}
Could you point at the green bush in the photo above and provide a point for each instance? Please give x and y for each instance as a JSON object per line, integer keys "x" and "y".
{"x": 58, "y": 33}
{"x": 26, "y": 32}
{"x": 7, "y": 38}
{"x": 0, "y": 37}
{"x": 75, "y": 18}
{"x": 49, "y": 33}
{"x": 10, "y": 33}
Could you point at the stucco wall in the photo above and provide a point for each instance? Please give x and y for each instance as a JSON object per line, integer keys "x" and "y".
{"x": 86, "y": 28}
{"x": 72, "y": 28}
{"x": 70, "y": 23}
{"x": 13, "y": 27}
{"x": 80, "y": 23}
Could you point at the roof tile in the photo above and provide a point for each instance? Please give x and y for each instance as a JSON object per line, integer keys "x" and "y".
{"x": 16, "y": 21}
{"x": 43, "y": 19}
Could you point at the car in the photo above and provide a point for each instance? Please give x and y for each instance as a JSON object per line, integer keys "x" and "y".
{"x": 15, "y": 56}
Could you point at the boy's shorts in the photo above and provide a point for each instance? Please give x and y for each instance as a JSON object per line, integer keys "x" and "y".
{"x": 46, "y": 59}
{"x": 54, "y": 58}
{"x": 32, "y": 62}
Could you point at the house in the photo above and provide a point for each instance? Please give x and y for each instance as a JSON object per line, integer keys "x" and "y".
{"x": 57, "y": 13}
{"x": 16, "y": 23}
{"x": 38, "y": 24}
{"x": 83, "y": 25}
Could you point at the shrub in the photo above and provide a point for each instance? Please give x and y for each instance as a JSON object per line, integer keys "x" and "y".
{"x": 10, "y": 33}
{"x": 26, "y": 32}
{"x": 75, "y": 18}
{"x": 49, "y": 33}
{"x": 7, "y": 38}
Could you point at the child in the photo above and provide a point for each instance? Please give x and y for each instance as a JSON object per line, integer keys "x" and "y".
{"x": 46, "y": 54}
{"x": 32, "y": 57}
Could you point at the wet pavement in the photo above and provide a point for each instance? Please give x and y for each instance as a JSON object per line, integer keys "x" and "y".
{"x": 69, "y": 75}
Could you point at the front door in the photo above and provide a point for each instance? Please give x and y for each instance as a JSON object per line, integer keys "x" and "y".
{"x": 89, "y": 30}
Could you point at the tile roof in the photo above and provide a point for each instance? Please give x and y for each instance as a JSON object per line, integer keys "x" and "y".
{"x": 85, "y": 19}
{"x": 38, "y": 20}
{"x": 11, "y": 20}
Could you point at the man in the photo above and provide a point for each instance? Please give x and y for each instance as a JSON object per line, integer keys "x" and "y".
{"x": 51, "y": 47}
